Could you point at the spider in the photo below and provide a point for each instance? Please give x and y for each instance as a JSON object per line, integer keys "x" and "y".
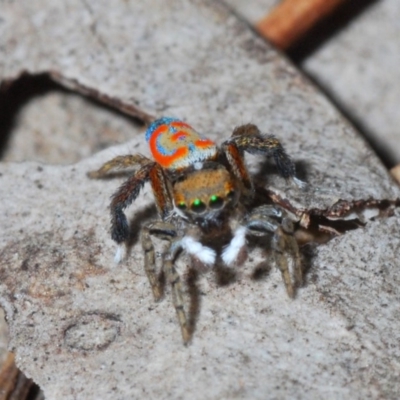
{"x": 202, "y": 193}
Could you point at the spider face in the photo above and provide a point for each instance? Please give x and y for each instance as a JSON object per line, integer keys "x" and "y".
{"x": 205, "y": 194}
{"x": 202, "y": 186}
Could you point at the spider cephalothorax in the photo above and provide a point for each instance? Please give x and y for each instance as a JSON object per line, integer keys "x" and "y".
{"x": 202, "y": 191}
{"x": 204, "y": 195}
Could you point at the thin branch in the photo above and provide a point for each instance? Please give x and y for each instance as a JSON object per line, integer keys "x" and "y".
{"x": 291, "y": 19}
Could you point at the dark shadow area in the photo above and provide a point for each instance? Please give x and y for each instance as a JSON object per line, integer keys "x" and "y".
{"x": 332, "y": 227}
{"x": 327, "y": 28}
{"x": 15, "y": 95}
{"x": 192, "y": 279}
{"x": 267, "y": 169}
{"x": 261, "y": 271}
{"x": 35, "y": 393}
{"x": 308, "y": 252}
{"x": 162, "y": 282}
{"x": 302, "y": 168}
{"x": 225, "y": 275}
{"x": 135, "y": 224}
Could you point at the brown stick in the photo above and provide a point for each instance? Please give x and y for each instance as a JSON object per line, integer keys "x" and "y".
{"x": 291, "y": 19}
{"x": 14, "y": 385}
{"x": 8, "y": 377}
{"x": 395, "y": 172}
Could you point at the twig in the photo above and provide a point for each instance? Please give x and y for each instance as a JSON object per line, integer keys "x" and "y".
{"x": 291, "y": 19}
{"x": 395, "y": 172}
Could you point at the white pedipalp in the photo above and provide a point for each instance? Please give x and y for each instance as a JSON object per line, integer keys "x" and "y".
{"x": 231, "y": 251}
{"x": 119, "y": 254}
{"x": 203, "y": 253}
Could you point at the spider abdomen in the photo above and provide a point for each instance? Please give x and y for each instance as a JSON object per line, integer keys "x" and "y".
{"x": 175, "y": 144}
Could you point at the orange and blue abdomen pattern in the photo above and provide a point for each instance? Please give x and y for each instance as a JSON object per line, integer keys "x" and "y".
{"x": 175, "y": 144}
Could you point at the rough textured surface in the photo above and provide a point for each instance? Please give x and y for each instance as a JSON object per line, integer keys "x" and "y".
{"x": 252, "y": 10}
{"x": 3, "y": 337}
{"x": 367, "y": 87}
{"x": 99, "y": 48}
{"x": 358, "y": 67}
{"x": 83, "y": 328}
{"x": 75, "y": 317}
{"x": 70, "y": 128}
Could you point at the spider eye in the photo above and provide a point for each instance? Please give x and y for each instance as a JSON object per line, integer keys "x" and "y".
{"x": 198, "y": 206}
{"x": 182, "y": 205}
{"x": 216, "y": 202}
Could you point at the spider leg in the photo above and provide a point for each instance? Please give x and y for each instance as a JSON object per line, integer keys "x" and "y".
{"x": 166, "y": 231}
{"x": 279, "y": 246}
{"x": 249, "y": 138}
{"x": 122, "y": 198}
{"x": 235, "y": 159}
{"x": 163, "y": 231}
{"x": 194, "y": 248}
{"x": 119, "y": 163}
{"x": 177, "y": 290}
{"x": 263, "y": 220}
{"x": 292, "y": 247}
{"x": 129, "y": 191}
{"x": 161, "y": 191}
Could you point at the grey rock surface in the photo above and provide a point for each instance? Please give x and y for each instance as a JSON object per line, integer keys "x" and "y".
{"x": 59, "y": 127}
{"x": 357, "y": 67}
{"x": 82, "y": 327}
{"x": 252, "y": 10}
{"x": 194, "y": 82}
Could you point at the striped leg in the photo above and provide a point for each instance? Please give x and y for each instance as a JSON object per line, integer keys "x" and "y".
{"x": 293, "y": 248}
{"x": 127, "y": 192}
{"x": 161, "y": 230}
{"x": 235, "y": 159}
{"x": 167, "y": 232}
{"x": 177, "y": 290}
{"x": 272, "y": 219}
{"x": 119, "y": 163}
{"x": 249, "y": 138}
{"x": 279, "y": 245}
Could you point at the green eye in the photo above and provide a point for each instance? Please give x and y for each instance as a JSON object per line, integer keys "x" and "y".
{"x": 198, "y": 206}
{"x": 216, "y": 202}
{"x": 182, "y": 205}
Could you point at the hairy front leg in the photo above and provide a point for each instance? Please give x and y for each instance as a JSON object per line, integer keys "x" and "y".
{"x": 249, "y": 138}
{"x": 122, "y": 198}
{"x": 119, "y": 163}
